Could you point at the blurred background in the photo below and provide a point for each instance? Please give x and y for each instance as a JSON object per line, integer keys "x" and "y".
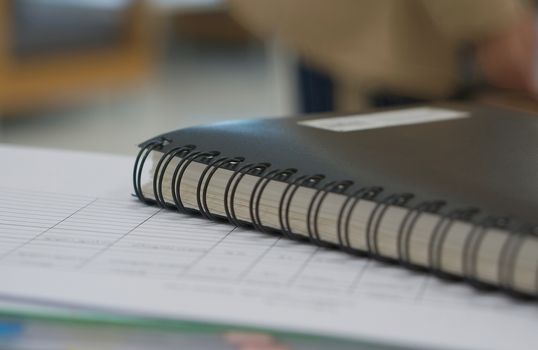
{"x": 104, "y": 75}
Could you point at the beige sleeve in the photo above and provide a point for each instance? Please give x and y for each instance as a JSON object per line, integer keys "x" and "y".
{"x": 412, "y": 47}
{"x": 472, "y": 20}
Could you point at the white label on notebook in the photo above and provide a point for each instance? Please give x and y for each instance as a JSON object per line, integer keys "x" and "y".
{"x": 385, "y": 119}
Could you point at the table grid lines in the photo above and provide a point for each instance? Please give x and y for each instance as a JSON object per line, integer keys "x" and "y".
{"x": 47, "y": 230}
{"x": 110, "y": 236}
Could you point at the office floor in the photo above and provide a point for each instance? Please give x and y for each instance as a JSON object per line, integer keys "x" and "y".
{"x": 194, "y": 84}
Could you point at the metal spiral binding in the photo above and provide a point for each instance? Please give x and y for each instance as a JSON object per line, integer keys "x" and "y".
{"x": 534, "y": 232}
{"x": 231, "y": 187}
{"x": 376, "y": 217}
{"x": 180, "y": 171}
{"x": 471, "y": 248}
{"x": 438, "y": 237}
{"x": 473, "y": 243}
{"x": 285, "y": 202}
{"x": 160, "y": 170}
{"x": 315, "y": 205}
{"x": 406, "y": 229}
{"x": 259, "y": 187}
{"x": 283, "y": 209}
{"x": 203, "y": 183}
{"x": 344, "y": 218}
{"x": 139, "y": 166}
{"x": 508, "y": 254}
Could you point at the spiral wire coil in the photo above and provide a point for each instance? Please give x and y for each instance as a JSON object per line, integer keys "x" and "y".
{"x": 188, "y": 154}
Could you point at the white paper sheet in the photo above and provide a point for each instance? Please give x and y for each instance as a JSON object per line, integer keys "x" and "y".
{"x": 61, "y": 244}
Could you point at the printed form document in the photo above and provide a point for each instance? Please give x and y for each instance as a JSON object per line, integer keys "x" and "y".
{"x": 72, "y": 234}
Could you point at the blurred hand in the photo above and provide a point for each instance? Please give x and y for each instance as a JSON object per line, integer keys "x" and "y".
{"x": 506, "y": 59}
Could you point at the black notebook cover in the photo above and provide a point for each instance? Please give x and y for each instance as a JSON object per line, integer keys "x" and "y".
{"x": 487, "y": 160}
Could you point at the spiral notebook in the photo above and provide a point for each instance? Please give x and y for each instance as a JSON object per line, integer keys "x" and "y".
{"x": 452, "y": 190}
{"x": 93, "y": 251}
